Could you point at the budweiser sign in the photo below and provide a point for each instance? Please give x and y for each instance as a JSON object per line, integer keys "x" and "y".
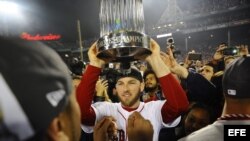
{"x": 38, "y": 37}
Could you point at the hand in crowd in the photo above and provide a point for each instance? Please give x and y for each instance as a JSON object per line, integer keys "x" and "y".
{"x": 105, "y": 129}
{"x": 101, "y": 89}
{"x": 170, "y": 61}
{"x": 243, "y": 50}
{"x": 166, "y": 58}
{"x": 139, "y": 129}
{"x": 101, "y": 86}
{"x": 187, "y": 62}
{"x": 218, "y": 54}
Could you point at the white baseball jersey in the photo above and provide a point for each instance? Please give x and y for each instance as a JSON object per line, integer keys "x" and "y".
{"x": 150, "y": 110}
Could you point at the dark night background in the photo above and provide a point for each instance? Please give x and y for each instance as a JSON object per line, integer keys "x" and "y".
{"x": 205, "y": 24}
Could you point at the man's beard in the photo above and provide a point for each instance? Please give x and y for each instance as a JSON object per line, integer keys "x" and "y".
{"x": 132, "y": 102}
{"x": 151, "y": 89}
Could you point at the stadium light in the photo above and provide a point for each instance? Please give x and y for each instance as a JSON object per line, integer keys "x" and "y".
{"x": 8, "y": 7}
{"x": 164, "y": 35}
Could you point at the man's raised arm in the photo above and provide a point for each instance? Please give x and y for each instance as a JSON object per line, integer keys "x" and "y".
{"x": 85, "y": 90}
{"x": 176, "y": 99}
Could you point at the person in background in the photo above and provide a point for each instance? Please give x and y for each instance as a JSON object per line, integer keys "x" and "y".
{"x": 207, "y": 71}
{"x": 242, "y": 50}
{"x": 152, "y": 87}
{"x": 197, "y": 117}
{"x": 221, "y": 58}
{"x": 237, "y": 102}
{"x": 108, "y": 76}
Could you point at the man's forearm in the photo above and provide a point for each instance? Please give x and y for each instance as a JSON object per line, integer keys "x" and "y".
{"x": 177, "y": 101}
{"x": 85, "y": 93}
{"x": 159, "y": 66}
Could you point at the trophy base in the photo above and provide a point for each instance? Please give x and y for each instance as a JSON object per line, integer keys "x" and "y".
{"x": 124, "y": 46}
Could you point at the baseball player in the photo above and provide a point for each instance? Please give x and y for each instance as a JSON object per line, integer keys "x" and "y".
{"x": 161, "y": 114}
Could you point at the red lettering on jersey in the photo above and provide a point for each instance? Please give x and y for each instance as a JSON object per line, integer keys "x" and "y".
{"x": 121, "y": 135}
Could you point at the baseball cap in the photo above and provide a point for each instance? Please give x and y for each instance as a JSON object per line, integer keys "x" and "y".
{"x": 132, "y": 72}
{"x": 236, "y": 78}
{"x": 35, "y": 84}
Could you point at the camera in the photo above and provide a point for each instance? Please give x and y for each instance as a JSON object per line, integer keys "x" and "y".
{"x": 230, "y": 51}
{"x": 109, "y": 74}
{"x": 170, "y": 41}
{"x": 194, "y": 56}
{"x": 76, "y": 66}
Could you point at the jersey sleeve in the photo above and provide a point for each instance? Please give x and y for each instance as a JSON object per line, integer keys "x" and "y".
{"x": 85, "y": 93}
{"x": 176, "y": 100}
{"x": 155, "y": 117}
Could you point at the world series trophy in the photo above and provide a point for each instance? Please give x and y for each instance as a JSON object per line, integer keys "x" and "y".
{"x": 122, "y": 36}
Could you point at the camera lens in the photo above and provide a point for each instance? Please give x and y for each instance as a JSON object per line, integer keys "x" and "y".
{"x": 170, "y": 40}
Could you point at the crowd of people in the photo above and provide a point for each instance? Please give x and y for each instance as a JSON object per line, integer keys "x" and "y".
{"x": 162, "y": 99}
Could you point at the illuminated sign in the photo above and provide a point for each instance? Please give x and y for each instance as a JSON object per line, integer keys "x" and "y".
{"x": 38, "y": 37}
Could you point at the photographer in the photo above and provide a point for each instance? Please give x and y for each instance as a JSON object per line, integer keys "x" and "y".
{"x": 105, "y": 86}
{"x": 101, "y": 91}
{"x": 225, "y": 55}
{"x": 76, "y": 66}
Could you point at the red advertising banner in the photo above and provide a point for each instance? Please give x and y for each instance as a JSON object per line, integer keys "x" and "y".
{"x": 38, "y": 37}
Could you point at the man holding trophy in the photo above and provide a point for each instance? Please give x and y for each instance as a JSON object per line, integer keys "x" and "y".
{"x": 125, "y": 45}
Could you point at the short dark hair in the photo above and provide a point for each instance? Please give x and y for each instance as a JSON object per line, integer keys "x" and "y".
{"x": 199, "y": 105}
{"x": 147, "y": 72}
